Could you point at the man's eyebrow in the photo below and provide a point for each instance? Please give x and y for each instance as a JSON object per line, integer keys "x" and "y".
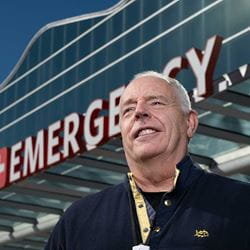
{"x": 148, "y": 98}
{"x": 161, "y": 97}
{"x": 128, "y": 101}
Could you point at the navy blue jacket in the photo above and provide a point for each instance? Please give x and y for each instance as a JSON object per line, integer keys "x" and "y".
{"x": 207, "y": 211}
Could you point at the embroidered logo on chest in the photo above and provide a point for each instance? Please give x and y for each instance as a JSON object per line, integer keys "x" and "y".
{"x": 201, "y": 233}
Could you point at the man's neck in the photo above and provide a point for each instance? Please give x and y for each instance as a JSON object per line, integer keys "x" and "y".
{"x": 156, "y": 175}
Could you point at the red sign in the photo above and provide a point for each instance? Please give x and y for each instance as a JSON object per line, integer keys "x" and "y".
{"x": 202, "y": 64}
{"x": 4, "y": 156}
{"x": 61, "y": 140}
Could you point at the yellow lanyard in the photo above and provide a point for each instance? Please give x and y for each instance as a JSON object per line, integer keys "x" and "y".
{"x": 141, "y": 209}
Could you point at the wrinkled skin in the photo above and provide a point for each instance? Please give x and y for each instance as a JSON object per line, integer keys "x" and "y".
{"x": 152, "y": 122}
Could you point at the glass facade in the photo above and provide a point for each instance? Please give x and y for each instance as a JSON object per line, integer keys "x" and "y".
{"x": 69, "y": 65}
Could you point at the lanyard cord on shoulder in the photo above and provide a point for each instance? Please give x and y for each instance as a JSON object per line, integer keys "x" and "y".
{"x": 141, "y": 209}
{"x": 135, "y": 234}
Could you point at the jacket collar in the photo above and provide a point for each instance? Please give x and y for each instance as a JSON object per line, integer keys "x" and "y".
{"x": 189, "y": 172}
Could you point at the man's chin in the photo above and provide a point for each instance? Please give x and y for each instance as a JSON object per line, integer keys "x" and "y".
{"x": 146, "y": 154}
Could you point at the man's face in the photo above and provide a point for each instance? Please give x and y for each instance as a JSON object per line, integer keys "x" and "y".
{"x": 151, "y": 120}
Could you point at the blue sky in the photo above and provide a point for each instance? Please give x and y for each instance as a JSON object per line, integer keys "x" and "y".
{"x": 21, "y": 19}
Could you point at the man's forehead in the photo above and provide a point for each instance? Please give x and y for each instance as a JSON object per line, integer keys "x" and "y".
{"x": 146, "y": 87}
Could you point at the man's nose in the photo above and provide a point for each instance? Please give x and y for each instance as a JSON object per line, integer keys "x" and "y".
{"x": 141, "y": 112}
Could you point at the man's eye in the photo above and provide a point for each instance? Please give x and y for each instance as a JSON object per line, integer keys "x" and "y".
{"x": 127, "y": 110}
{"x": 157, "y": 103}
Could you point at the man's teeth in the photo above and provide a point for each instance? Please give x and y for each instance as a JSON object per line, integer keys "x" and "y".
{"x": 146, "y": 131}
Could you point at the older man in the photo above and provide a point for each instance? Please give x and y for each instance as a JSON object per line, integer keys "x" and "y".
{"x": 166, "y": 202}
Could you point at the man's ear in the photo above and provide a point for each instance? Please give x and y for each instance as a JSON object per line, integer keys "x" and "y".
{"x": 192, "y": 123}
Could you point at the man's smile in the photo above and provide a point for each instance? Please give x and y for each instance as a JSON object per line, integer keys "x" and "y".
{"x": 143, "y": 132}
{"x": 146, "y": 131}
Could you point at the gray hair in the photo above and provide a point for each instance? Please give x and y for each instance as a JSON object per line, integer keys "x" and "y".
{"x": 180, "y": 90}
